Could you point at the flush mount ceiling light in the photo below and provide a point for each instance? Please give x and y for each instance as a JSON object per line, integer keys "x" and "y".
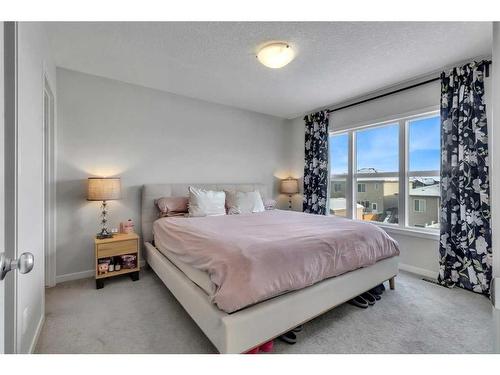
{"x": 275, "y": 55}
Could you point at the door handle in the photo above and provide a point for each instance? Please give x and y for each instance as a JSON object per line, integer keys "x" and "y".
{"x": 23, "y": 264}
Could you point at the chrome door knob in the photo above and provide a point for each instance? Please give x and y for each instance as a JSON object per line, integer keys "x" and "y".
{"x": 23, "y": 264}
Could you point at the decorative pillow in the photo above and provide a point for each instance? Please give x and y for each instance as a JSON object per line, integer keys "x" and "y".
{"x": 206, "y": 202}
{"x": 270, "y": 204}
{"x": 239, "y": 202}
{"x": 172, "y": 206}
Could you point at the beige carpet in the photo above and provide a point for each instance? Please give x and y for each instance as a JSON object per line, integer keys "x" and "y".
{"x": 143, "y": 317}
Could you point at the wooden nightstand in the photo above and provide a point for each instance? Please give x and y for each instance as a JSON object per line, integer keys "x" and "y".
{"x": 120, "y": 244}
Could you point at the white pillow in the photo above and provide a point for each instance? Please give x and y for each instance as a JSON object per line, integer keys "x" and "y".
{"x": 239, "y": 202}
{"x": 206, "y": 202}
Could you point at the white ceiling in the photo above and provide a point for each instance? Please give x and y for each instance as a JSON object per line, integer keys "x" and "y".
{"x": 215, "y": 61}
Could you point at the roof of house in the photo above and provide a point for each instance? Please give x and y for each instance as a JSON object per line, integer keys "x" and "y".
{"x": 426, "y": 191}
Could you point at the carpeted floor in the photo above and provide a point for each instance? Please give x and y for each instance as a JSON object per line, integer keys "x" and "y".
{"x": 143, "y": 317}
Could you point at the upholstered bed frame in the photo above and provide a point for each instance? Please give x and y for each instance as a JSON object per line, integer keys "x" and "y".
{"x": 245, "y": 329}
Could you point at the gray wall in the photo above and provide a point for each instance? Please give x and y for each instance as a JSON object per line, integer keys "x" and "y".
{"x": 108, "y": 128}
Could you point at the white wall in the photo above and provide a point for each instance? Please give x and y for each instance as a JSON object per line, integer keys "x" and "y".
{"x": 418, "y": 254}
{"x": 34, "y": 60}
{"x": 106, "y": 127}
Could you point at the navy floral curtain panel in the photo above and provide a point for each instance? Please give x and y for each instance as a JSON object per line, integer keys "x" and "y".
{"x": 465, "y": 245}
{"x": 316, "y": 163}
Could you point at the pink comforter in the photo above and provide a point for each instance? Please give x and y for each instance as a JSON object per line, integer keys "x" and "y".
{"x": 253, "y": 257}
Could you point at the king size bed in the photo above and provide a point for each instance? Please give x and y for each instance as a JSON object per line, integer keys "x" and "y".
{"x": 246, "y": 279}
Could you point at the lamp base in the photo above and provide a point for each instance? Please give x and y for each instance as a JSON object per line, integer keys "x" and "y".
{"x": 104, "y": 233}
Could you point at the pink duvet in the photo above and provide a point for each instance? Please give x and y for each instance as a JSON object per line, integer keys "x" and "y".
{"x": 253, "y": 257}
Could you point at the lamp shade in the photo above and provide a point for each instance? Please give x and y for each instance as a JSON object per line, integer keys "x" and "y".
{"x": 290, "y": 186}
{"x": 103, "y": 189}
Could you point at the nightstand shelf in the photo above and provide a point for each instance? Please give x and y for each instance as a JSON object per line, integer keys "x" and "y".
{"x": 123, "y": 271}
{"x": 119, "y": 244}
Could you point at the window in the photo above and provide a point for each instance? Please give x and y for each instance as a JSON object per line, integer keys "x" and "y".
{"x": 339, "y": 151}
{"x": 377, "y": 155}
{"x": 389, "y": 172}
{"x": 419, "y": 205}
{"x": 424, "y": 158}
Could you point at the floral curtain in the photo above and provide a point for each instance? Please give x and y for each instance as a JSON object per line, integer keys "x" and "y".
{"x": 316, "y": 163}
{"x": 465, "y": 243}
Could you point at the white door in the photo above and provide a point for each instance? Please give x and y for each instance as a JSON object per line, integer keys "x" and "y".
{"x": 21, "y": 194}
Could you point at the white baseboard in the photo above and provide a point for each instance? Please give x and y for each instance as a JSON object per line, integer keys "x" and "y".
{"x": 82, "y": 275}
{"x": 75, "y": 276}
{"x": 37, "y": 334}
{"x": 418, "y": 271}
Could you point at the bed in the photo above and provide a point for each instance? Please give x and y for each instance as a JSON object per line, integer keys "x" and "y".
{"x": 241, "y": 326}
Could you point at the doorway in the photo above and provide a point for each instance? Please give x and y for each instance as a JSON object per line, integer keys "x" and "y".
{"x": 49, "y": 184}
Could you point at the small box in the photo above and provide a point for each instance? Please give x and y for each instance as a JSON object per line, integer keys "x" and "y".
{"x": 129, "y": 261}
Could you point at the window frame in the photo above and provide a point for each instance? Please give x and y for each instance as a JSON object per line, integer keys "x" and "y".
{"x": 403, "y": 173}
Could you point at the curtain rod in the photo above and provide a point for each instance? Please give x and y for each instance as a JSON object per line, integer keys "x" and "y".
{"x": 487, "y": 64}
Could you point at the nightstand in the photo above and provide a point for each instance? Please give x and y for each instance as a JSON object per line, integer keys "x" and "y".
{"x": 119, "y": 244}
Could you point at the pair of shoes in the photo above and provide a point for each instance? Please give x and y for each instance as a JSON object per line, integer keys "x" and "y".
{"x": 359, "y": 302}
{"x": 298, "y": 328}
{"x": 378, "y": 290}
{"x": 267, "y": 347}
{"x": 370, "y": 298}
{"x": 264, "y": 348}
{"x": 364, "y": 300}
{"x": 290, "y": 337}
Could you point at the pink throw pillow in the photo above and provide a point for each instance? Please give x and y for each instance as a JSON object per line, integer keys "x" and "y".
{"x": 172, "y": 206}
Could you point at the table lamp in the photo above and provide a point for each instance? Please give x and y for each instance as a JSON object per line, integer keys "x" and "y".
{"x": 289, "y": 186}
{"x": 103, "y": 189}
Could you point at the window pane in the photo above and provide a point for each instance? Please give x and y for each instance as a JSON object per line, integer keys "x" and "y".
{"x": 338, "y": 153}
{"x": 424, "y": 200}
{"x": 377, "y": 149}
{"x": 424, "y": 142}
{"x": 337, "y": 197}
{"x": 378, "y": 199}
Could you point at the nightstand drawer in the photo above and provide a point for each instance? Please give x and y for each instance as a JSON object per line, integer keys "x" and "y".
{"x": 116, "y": 248}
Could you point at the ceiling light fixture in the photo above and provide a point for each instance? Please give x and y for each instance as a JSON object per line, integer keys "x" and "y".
{"x": 276, "y": 55}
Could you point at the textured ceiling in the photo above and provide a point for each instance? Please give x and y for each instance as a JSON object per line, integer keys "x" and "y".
{"x": 215, "y": 61}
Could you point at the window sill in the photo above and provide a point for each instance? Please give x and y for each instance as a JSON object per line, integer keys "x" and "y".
{"x": 427, "y": 234}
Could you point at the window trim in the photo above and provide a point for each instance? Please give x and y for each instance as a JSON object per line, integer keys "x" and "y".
{"x": 403, "y": 121}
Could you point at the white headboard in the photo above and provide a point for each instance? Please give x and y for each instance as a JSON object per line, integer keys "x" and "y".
{"x": 150, "y": 192}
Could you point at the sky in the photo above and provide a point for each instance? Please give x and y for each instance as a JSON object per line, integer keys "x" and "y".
{"x": 378, "y": 148}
